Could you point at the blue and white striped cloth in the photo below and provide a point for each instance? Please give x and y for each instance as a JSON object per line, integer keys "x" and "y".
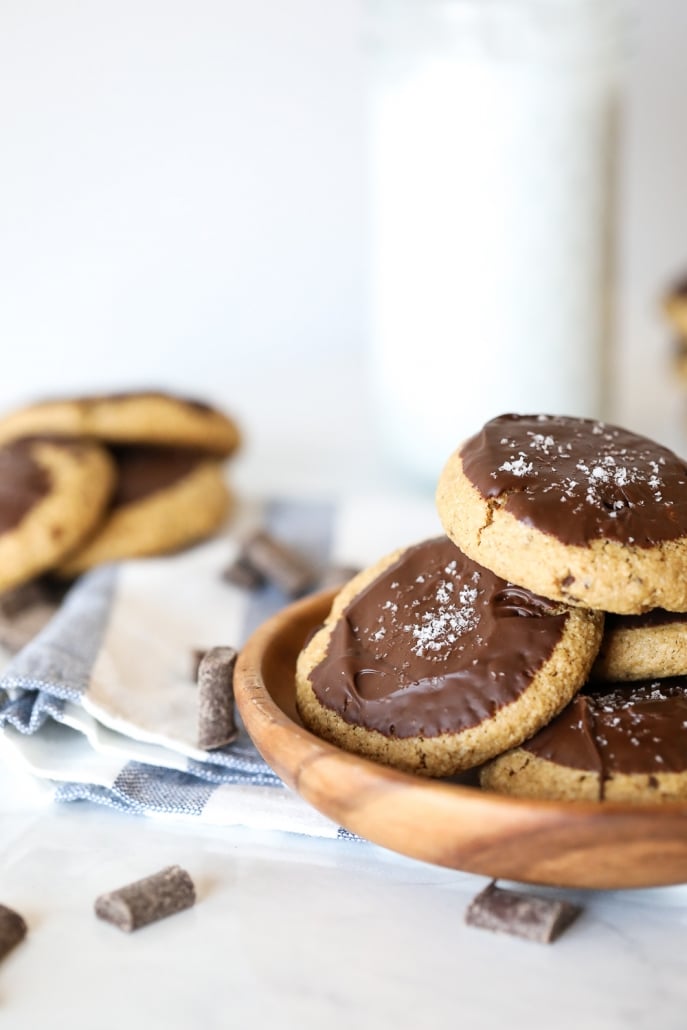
{"x": 101, "y": 705}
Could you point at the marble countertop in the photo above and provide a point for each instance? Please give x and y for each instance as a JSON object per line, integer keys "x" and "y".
{"x": 294, "y": 932}
{"x": 298, "y": 932}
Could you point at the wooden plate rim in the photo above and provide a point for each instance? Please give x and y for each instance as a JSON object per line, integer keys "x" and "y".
{"x": 259, "y": 711}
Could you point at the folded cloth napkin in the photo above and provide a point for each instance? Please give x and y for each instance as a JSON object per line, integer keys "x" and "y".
{"x": 102, "y": 704}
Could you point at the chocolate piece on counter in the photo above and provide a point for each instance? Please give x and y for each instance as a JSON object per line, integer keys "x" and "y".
{"x": 241, "y": 573}
{"x": 337, "y": 576}
{"x": 580, "y": 480}
{"x": 529, "y": 916}
{"x": 147, "y": 900}
{"x": 216, "y": 723}
{"x": 12, "y": 930}
{"x": 25, "y": 610}
{"x": 279, "y": 563}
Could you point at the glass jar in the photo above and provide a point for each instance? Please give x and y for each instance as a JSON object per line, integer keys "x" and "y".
{"x": 493, "y": 145}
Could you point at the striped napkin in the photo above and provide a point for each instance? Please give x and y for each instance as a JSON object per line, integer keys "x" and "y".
{"x": 102, "y": 704}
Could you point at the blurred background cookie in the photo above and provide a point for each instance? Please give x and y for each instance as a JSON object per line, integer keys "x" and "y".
{"x": 53, "y": 493}
{"x": 142, "y": 417}
{"x": 675, "y": 307}
{"x": 165, "y": 498}
{"x": 166, "y": 484}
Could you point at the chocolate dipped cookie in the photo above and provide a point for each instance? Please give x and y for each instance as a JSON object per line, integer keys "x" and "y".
{"x": 431, "y": 663}
{"x": 579, "y": 511}
{"x": 614, "y": 742}
{"x": 647, "y": 646}
{"x": 165, "y": 498}
{"x": 142, "y": 417}
{"x": 53, "y": 493}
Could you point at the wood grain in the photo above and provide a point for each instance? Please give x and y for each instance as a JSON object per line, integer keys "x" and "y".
{"x": 566, "y": 844}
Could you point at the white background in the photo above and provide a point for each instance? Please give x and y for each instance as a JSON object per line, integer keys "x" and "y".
{"x": 182, "y": 203}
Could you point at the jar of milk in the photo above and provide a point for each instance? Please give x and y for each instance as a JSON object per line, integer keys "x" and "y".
{"x": 493, "y": 144}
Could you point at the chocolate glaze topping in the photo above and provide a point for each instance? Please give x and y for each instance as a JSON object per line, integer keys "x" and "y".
{"x": 436, "y": 644}
{"x": 143, "y": 471}
{"x": 620, "y": 728}
{"x": 23, "y": 483}
{"x": 580, "y": 480}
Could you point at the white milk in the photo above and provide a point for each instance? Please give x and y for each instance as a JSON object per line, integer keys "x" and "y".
{"x": 492, "y": 143}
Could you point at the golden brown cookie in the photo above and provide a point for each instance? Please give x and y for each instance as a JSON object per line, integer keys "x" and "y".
{"x": 575, "y": 510}
{"x": 432, "y": 664}
{"x": 165, "y": 498}
{"x": 648, "y": 646}
{"x": 53, "y": 493}
{"x": 144, "y": 417}
{"x": 617, "y": 742}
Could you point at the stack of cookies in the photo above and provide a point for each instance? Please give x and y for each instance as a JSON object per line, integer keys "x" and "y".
{"x": 542, "y": 641}
{"x": 97, "y": 479}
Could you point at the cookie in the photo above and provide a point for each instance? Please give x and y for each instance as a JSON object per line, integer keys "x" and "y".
{"x": 618, "y": 742}
{"x": 675, "y": 306}
{"x": 430, "y": 663}
{"x": 165, "y": 498}
{"x": 637, "y": 647}
{"x": 146, "y": 417}
{"x": 53, "y": 493}
{"x": 576, "y": 510}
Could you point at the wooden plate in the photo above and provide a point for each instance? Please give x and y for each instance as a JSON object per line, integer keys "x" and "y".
{"x": 568, "y": 844}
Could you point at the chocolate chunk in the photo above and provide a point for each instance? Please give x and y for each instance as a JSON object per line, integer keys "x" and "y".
{"x": 243, "y": 574}
{"x": 529, "y": 916}
{"x": 216, "y": 724}
{"x": 147, "y": 900}
{"x": 278, "y": 563}
{"x": 12, "y": 930}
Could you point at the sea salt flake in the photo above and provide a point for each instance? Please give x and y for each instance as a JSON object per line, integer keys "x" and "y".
{"x": 541, "y": 443}
{"x": 517, "y": 467}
